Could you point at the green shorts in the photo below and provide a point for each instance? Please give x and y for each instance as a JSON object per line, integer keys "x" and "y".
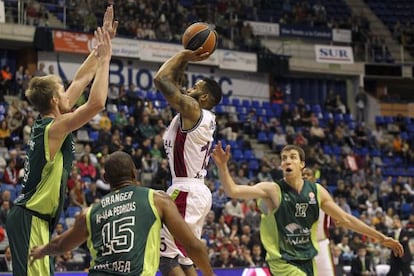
{"x": 297, "y": 268}
{"x": 24, "y": 230}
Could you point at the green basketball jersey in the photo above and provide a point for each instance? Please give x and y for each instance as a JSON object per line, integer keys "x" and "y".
{"x": 289, "y": 231}
{"x": 44, "y": 180}
{"x": 124, "y": 233}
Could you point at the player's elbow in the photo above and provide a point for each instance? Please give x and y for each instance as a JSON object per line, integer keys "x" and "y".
{"x": 95, "y": 107}
{"x": 344, "y": 221}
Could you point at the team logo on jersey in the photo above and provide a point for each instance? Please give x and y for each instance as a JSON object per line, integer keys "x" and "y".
{"x": 312, "y": 199}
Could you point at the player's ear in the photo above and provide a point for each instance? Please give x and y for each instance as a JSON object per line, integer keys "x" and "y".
{"x": 302, "y": 165}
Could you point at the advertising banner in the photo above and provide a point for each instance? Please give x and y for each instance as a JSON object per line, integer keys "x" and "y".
{"x": 342, "y": 35}
{"x": 141, "y": 73}
{"x": 160, "y": 52}
{"x": 2, "y": 13}
{"x": 334, "y": 54}
{"x": 122, "y": 47}
{"x": 239, "y": 61}
{"x": 71, "y": 42}
{"x": 264, "y": 28}
{"x": 305, "y": 32}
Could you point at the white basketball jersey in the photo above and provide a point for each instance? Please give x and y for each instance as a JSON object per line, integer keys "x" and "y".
{"x": 323, "y": 226}
{"x": 189, "y": 151}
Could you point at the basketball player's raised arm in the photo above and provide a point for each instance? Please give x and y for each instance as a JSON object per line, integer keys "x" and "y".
{"x": 170, "y": 216}
{"x": 87, "y": 70}
{"x": 348, "y": 221}
{"x": 69, "y": 240}
{"x": 260, "y": 190}
{"x": 168, "y": 81}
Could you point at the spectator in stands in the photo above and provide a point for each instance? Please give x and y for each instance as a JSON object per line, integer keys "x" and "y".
{"x": 92, "y": 194}
{"x": 6, "y": 261}
{"x": 257, "y": 256}
{"x": 86, "y": 168}
{"x": 362, "y": 264}
{"x": 264, "y": 174}
{"x": 225, "y": 260}
{"x": 40, "y": 72}
{"x": 219, "y": 200}
{"x": 361, "y": 101}
{"x": 402, "y": 264}
{"x": 6, "y": 78}
{"x": 162, "y": 177}
{"x": 146, "y": 129}
{"x": 233, "y": 211}
{"x": 252, "y": 216}
{"x": 121, "y": 119}
{"x": 241, "y": 177}
{"x": 4, "y": 211}
{"x": 5, "y": 134}
{"x": 27, "y": 129}
{"x": 11, "y": 174}
{"x": 286, "y": 117}
{"x": 77, "y": 195}
{"x": 59, "y": 229}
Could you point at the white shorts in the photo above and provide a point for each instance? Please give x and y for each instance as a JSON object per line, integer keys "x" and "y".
{"x": 193, "y": 199}
{"x": 324, "y": 261}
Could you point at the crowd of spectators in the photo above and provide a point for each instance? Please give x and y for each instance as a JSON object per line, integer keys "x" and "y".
{"x": 166, "y": 20}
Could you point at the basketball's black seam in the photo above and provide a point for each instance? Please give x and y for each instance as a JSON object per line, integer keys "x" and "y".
{"x": 193, "y": 44}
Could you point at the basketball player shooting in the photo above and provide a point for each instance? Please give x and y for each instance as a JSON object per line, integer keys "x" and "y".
{"x": 187, "y": 142}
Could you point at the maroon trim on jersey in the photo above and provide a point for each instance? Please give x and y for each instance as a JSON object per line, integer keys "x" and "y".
{"x": 181, "y": 203}
{"x": 326, "y": 224}
{"x": 180, "y": 169}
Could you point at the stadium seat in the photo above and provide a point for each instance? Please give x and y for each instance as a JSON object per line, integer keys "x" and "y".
{"x": 262, "y": 137}
{"x": 249, "y": 155}
{"x": 72, "y": 210}
{"x": 254, "y": 165}
{"x": 405, "y": 210}
{"x": 235, "y": 102}
{"x": 225, "y": 101}
{"x": 238, "y": 155}
{"x": 93, "y": 135}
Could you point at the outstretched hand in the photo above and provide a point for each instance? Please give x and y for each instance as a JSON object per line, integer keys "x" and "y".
{"x": 219, "y": 155}
{"x": 109, "y": 25}
{"x": 196, "y": 55}
{"x": 103, "y": 46}
{"x": 396, "y": 247}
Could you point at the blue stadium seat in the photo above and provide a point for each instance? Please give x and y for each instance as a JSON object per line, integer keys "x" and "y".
{"x": 249, "y": 155}
{"x": 406, "y": 210}
{"x": 262, "y": 137}
{"x": 254, "y": 165}
{"x": 246, "y": 103}
{"x": 225, "y": 101}
{"x": 72, "y": 210}
{"x": 235, "y": 102}
{"x": 93, "y": 135}
{"x": 238, "y": 155}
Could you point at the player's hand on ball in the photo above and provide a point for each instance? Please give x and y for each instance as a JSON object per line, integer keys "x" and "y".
{"x": 196, "y": 55}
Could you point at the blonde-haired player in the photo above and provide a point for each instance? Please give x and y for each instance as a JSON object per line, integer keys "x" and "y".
{"x": 324, "y": 260}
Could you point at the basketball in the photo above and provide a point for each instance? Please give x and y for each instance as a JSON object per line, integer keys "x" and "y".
{"x": 200, "y": 35}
